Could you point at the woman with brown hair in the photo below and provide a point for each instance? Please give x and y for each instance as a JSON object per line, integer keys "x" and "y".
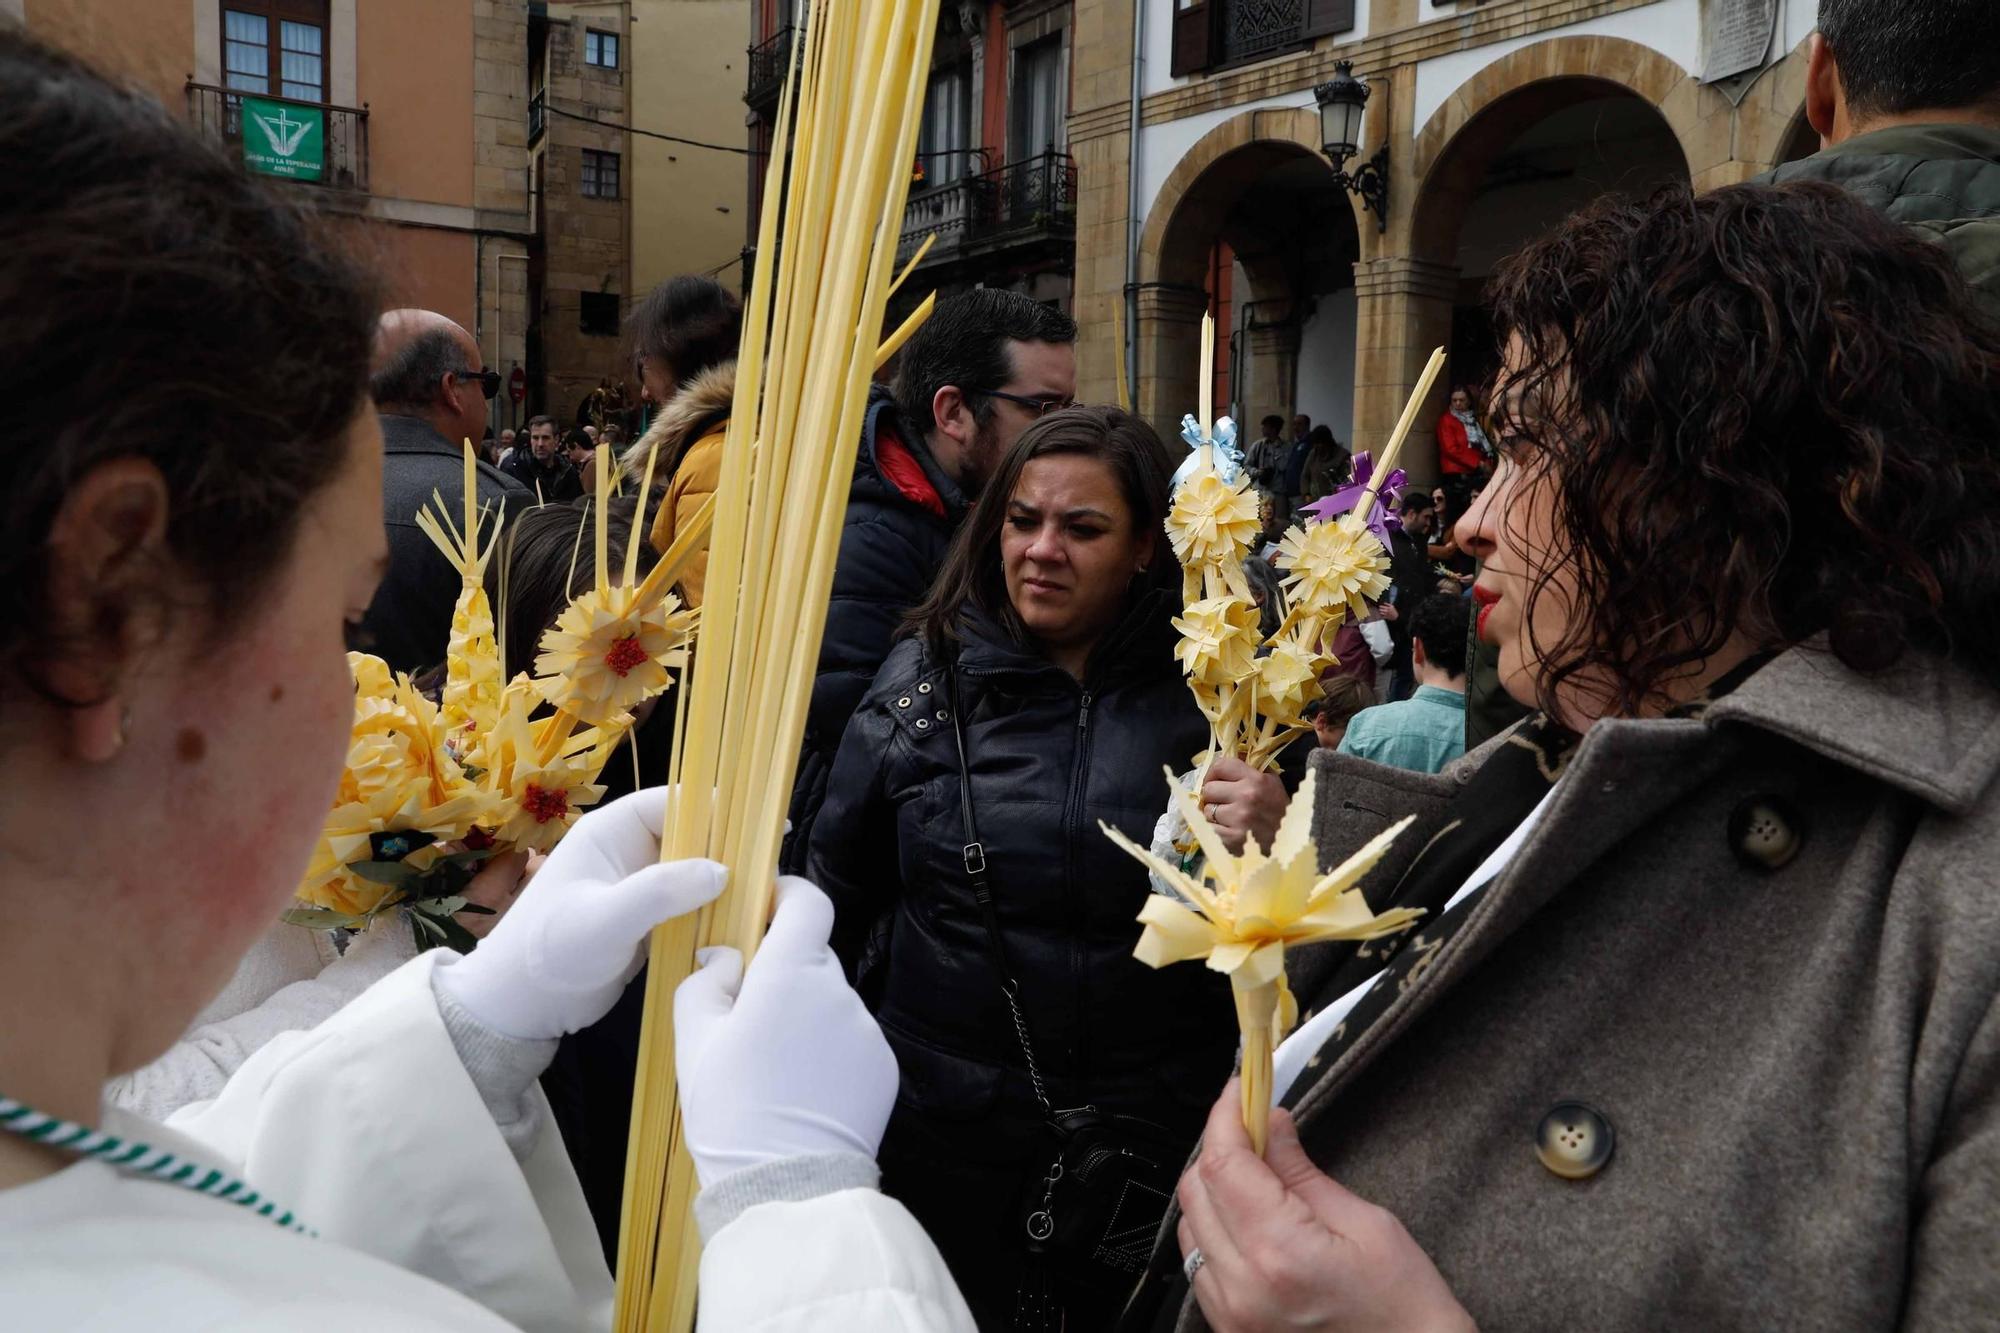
{"x": 1701, "y": 1028}
{"x": 183, "y": 558}
{"x": 1037, "y": 695}
{"x": 685, "y": 334}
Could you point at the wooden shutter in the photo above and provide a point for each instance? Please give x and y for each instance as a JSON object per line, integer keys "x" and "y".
{"x": 1194, "y": 37}
{"x": 1327, "y": 16}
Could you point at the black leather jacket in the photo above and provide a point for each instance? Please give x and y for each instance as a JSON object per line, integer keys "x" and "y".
{"x": 1049, "y": 758}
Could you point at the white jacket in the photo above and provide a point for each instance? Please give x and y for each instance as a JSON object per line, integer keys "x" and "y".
{"x": 371, "y": 1129}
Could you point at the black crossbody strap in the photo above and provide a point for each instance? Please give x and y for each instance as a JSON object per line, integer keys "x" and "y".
{"x": 982, "y": 892}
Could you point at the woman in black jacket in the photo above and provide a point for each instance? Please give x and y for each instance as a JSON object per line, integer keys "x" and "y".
{"x": 1055, "y": 603}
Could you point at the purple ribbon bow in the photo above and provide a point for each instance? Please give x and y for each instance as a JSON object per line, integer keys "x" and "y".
{"x": 1344, "y": 499}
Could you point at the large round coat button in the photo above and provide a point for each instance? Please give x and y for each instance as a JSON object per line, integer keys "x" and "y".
{"x": 1574, "y": 1141}
{"x": 1765, "y": 832}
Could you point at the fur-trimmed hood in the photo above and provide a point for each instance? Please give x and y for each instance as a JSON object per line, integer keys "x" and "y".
{"x": 701, "y": 406}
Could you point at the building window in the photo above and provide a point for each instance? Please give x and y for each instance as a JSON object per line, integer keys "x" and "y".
{"x": 600, "y": 48}
{"x": 945, "y": 137}
{"x": 597, "y": 313}
{"x": 600, "y": 175}
{"x": 275, "y": 47}
{"x": 1037, "y": 97}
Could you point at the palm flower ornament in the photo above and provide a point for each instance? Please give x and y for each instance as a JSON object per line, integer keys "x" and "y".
{"x": 1243, "y": 911}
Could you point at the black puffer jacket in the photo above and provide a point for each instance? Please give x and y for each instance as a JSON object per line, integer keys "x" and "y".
{"x": 901, "y": 514}
{"x": 1049, "y": 759}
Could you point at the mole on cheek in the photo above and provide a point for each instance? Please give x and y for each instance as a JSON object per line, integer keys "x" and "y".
{"x": 277, "y": 693}
{"x": 190, "y": 745}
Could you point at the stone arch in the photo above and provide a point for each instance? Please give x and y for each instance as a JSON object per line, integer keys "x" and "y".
{"x": 1199, "y": 190}
{"x": 1198, "y": 203}
{"x": 1522, "y": 89}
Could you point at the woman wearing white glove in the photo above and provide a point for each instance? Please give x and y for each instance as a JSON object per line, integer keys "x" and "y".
{"x": 174, "y": 710}
{"x": 786, "y": 1084}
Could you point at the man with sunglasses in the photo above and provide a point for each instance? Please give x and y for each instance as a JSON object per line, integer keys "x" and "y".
{"x": 983, "y": 367}
{"x": 431, "y": 386}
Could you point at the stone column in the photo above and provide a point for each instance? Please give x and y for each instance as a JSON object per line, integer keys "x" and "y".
{"x": 1169, "y": 354}
{"x": 1272, "y": 376}
{"x": 1403, "y": 310}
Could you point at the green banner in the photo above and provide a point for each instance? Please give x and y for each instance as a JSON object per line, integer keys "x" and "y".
{"x": 283, "y": 139}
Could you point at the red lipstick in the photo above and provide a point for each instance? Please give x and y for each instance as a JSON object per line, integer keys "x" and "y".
{"x": 1487, "y": 599}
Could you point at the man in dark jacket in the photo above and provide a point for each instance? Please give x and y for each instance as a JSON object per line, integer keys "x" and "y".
{"x": 985, "y": 365}
{"x": 431, "y": 387}
{"x": 544, "y": 466}
{"x": 1411, "y": 580}
{"x": 1906, "y": 99}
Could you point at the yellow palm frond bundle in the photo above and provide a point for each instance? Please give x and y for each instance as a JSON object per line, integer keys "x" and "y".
{"x": 839, "y": 176}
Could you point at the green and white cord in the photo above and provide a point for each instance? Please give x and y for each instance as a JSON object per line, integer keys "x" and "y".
{"x": 141, "y": 1158}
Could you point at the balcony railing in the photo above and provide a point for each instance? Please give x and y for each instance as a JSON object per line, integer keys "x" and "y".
{"x": 1015, "y": 204}
{"x": 312, "y": 142}
{"x": 1038, "y": 195}
{"x": 538, "y": 116}
{"x": 770, "y": 62}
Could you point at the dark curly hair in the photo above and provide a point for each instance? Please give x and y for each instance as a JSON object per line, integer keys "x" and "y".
{"x": 1763, "y": 409}
{"x": 161, "y": 304}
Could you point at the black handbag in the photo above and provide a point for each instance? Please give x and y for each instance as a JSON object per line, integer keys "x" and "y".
{"x": 1089, "y": 1218}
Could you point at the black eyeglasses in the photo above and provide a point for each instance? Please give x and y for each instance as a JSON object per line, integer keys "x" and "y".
{"x": 1041, "y": 407}
{"x": 489, "y": 380}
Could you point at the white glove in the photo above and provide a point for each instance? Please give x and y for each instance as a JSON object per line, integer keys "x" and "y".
{"x": 561, "y": 956}
{"x": 786, "y": 1063}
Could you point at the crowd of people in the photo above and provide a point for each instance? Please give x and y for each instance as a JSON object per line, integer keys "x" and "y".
{"x": 1686, "y": 676}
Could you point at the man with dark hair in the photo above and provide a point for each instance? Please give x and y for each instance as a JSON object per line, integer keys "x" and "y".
{"x": 1266, "y": 455}
{"x": 1290, "y": 482}
{"x": 1410, "y": 581}
{"x": 1426, "y": 731}
{"x": 983, "y": 367}
{"x": 431, "y": 388}
{"x": 544, "y": 467}
{"x": 1905, "y": 96}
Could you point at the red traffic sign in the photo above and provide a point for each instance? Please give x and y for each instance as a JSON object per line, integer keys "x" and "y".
{"x": 517, "y": 384}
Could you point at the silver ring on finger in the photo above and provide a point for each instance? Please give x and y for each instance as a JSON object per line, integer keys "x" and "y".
{"x": 1192, "y": 1264}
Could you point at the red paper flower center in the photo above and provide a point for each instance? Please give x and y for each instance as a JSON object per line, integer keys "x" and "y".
{"x": 625, "y": 654}
{"x": 545, "y": 804}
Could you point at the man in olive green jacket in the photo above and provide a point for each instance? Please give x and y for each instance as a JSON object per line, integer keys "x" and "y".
{"x": 1906, "y": 99}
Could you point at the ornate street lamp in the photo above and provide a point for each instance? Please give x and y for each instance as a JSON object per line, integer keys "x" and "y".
{"x": 1342, "y": 100}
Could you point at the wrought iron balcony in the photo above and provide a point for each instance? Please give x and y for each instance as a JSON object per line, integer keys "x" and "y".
{"x": 1018, "y": 204}
{"x": 770, "y": 62}
{"x": 1037, "y": 197}
{"x": 311, "y": 142}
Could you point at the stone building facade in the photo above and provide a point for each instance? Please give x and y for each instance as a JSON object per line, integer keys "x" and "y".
{"x": 579, "y": 269}
{"x": 420, "y": 114}
{"x": 993, "y": 181}
{"x": 1209, "y": 190}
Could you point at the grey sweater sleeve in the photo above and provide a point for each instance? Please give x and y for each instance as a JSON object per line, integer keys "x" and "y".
{"x": 503, "y": 1068}
{"x": 788, "y": 1180}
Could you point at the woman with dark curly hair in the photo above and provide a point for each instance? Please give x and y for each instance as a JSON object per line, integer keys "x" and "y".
{"x": 1699, "y": 1029}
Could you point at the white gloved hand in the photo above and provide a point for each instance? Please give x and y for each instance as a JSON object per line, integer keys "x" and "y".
{"x": 786, "y": 1062}
{"x": 564, "y": 952}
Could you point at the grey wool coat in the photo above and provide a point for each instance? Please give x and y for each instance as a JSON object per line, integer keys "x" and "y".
{"x": 1796, "y": 1071}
